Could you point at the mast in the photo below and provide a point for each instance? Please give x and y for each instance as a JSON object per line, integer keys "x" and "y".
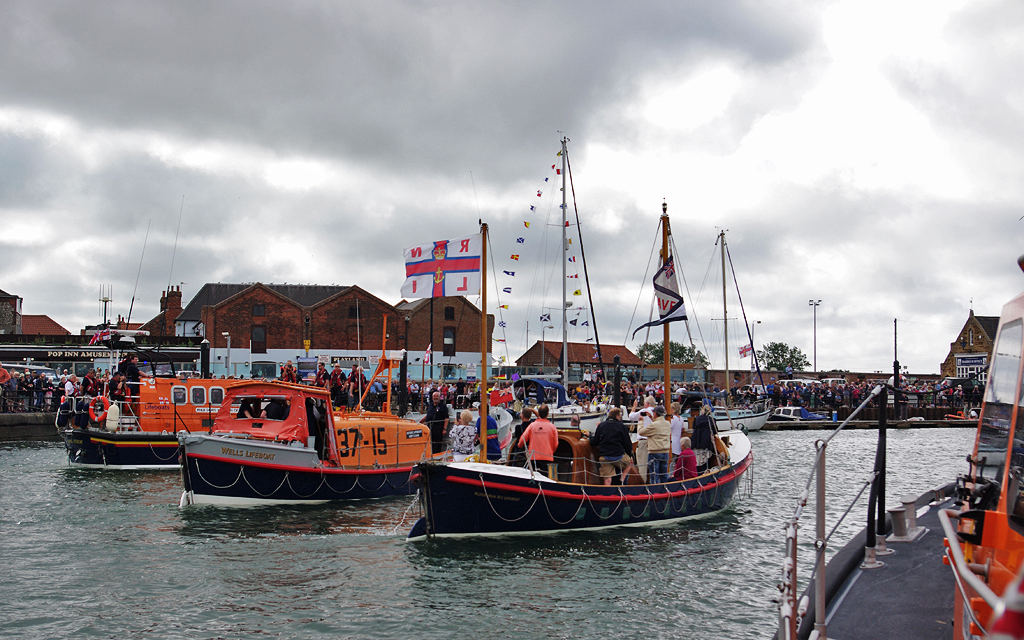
{"x": 565, "y": 304}
{"x": 484, "y": 412}
{"x": 667, "y": 348}
{"x": 725, "y": 321}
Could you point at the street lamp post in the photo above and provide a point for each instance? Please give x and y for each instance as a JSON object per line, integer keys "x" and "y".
{"x": 814, "y": 319}
{"x": 227, "y": 358}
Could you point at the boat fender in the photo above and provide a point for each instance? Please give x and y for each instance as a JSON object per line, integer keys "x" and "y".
{"x": 63, "y": 413}
{"x": 95, "y": 413}
{"x": 81, "y": 419}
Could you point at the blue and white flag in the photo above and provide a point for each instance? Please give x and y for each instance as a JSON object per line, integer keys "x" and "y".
{"x": 666, "y": 292}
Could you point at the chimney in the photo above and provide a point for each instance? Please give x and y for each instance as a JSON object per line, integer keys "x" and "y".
{"x": 174, "y": 300}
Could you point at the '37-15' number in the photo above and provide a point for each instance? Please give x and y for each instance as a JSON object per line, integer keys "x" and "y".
{"x": 347, "y": 448}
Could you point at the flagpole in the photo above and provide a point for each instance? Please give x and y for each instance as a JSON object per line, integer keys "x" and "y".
{"x": 484, "y": 344}
{"x": 667, "y": 348}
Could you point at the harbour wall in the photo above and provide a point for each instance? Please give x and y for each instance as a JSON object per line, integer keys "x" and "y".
{"x": 28, "y": 426}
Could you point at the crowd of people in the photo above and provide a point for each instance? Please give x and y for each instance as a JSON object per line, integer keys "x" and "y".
{"x": 28, "y": 391}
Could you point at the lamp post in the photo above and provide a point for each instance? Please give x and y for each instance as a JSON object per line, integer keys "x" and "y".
{"x": 543, "y": 345}
{"x": 814, "y": 319}
{"x": 227, "y": 358}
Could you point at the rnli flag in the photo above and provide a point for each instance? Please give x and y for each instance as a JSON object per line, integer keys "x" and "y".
{"x": 443, "y": 268}
{"x": 745, "y": 350}
{"x": 666, "y": 293}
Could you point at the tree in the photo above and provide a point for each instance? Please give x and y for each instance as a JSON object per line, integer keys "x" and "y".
{"x": 653, "y": 353}
{"x": 776, "y": 355}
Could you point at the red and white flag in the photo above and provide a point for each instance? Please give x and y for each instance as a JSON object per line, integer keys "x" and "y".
{"x": 746, "y": 350}
{"x": 443, "y": 268}
{"x": 426, "y": 356}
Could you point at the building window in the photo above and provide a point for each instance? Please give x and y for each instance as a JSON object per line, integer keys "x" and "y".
{"x": 259, "y": 340}
{"x": 258, "y": 311}
{"x": 353, "y": 311}
{"x": 970, "y": 337}
{"x": 449, "y": 313}
{"x": 449, "y": 341}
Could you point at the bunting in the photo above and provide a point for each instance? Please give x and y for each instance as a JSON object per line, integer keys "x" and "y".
{"x": 545, "y": 317}
{"x": 507, "y": 290}
{"x": 520, "y": 240}
{"x": 514, "y": 256}
{"x": 577, "y": 293}
{"x": 510, "y": 273}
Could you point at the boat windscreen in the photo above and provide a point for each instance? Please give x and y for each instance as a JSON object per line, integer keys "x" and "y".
{"x": 1001, "y": 395}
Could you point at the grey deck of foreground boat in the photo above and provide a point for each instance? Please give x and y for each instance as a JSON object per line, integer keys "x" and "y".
{"x": 910, "y": 598}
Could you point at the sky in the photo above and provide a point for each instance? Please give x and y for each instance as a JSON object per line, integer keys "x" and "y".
{"x": 864, "y": 154}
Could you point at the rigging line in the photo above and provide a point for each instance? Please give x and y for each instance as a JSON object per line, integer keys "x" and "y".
{"x": 679, "y": 271}
{"x": 657, "y": 235}
{"x": 137, "y": 275}
{"x": 743, "y": 311}
{"x": 700, "y": 332}
{"x": 583, "y": 257}
{"x": 497, "y": 298}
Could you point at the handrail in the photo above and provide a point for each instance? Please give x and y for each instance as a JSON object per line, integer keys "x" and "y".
{"x": 791, "y": 607}
{"x": 962, "y": 570}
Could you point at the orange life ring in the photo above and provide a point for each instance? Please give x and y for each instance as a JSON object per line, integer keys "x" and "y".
{"x": 101, "y": 416}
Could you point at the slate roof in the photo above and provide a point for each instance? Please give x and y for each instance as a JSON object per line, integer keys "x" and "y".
{"x": 990, "y": 324}
{"x": 41, "y": 325}
{"x": 212, "y": 293}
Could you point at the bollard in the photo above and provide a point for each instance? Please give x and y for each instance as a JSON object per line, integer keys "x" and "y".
{"x": 910, "y": 505}
{"x": 899, "y": 522}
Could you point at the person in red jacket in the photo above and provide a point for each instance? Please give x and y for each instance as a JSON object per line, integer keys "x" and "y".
{"x": 541, "y": 439}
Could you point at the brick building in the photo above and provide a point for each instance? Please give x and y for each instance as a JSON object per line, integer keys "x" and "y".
{"x": 545, "y": 354}
{"x": 10, "y": 313}
{"x": 971, "y": 352}
{"x": 269, "y": 324}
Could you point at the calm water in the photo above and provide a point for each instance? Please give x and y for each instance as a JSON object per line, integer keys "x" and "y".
{"x": 110, "y": 555}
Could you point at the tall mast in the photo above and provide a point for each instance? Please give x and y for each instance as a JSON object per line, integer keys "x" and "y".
{"x": 484, "y": 343}
{"x": 725, "y": 320}
{"x": 565, "y": 304}
{"x": 667, "y": 348}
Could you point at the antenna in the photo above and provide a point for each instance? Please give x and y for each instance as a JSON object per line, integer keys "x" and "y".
{"x": 105, "y": 300}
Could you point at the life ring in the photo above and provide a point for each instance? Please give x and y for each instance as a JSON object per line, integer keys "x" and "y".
{"x": 101, "y": 416}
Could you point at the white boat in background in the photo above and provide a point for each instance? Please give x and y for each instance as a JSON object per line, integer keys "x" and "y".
{"x": 741, "y": 418}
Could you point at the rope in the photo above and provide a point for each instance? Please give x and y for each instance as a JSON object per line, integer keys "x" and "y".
{"x": 486, "y": 495}
{"x": 548, "y": 508}
{"x": 203, "y": 478}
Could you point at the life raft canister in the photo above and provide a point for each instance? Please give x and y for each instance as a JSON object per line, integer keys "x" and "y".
{"x": 94, "y": 405}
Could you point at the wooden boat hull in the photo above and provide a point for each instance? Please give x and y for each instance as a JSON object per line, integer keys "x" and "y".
{"x": 462, "y": 499}
{"x": 232, "y": 471}
{"x": 120, "y": 450}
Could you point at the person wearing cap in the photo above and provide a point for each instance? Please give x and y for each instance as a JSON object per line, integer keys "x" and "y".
{"x": 659, "y": 443}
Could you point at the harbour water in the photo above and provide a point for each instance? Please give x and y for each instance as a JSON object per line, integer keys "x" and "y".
{"x": 89, "y": 554}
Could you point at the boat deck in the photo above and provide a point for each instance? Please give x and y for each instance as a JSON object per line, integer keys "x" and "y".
{"x": 910, "y": 597}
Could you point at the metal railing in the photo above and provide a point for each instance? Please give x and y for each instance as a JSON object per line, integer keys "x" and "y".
{"x": 792, "y": 607}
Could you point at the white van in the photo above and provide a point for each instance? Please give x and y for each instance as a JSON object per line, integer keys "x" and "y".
{"x": 832, "y": 382}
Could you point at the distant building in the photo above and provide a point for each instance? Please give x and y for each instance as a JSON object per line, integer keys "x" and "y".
{"x": 269, "y": 324}
{"x": 33, "y": 325}
{"x": 10, "y": 313}
{"x": 547, "y": 354}
{"x": 971, "y": 352}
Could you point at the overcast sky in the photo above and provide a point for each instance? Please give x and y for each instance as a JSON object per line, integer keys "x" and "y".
{"x": 867, "y": 154}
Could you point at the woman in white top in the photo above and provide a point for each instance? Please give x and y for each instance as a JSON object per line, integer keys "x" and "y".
{"x": 462, "y": 437}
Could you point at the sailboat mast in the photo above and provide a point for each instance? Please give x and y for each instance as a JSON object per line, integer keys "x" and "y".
{"x": 725, "y": 320}
{"x": 484, "y": 344}
{"x": 667, "y": 348}
{"x": 565, "y": 305}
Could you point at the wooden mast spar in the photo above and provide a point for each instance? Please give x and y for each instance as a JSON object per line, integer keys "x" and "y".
{"x": 484, "y": 412}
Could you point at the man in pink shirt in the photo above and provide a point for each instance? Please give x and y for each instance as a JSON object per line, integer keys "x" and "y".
{"x": 541, "y": 439}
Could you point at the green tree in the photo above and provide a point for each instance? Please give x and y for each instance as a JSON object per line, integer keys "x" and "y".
{"x": 653, "y": 353}
{"x": 776, "y": 355}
